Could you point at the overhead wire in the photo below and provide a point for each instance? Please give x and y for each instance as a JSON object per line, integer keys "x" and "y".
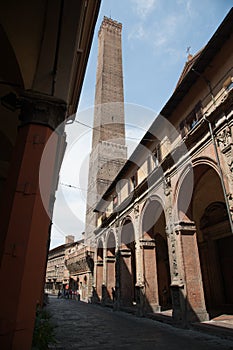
{"x": 106, "y": 128}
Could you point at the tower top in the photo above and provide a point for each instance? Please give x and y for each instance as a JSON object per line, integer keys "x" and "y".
{"x": 110, "y": 25}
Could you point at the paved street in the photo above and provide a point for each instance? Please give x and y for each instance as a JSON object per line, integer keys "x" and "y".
{"x": 86, "y": 326}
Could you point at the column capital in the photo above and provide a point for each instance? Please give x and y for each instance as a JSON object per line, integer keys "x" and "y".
{"x": 110, "y": 259}
{"x": 125, "y": 252}
{"x": 147, "y": 243}
{"x": 37, "y": 108}
{"x": 185, "y": 227}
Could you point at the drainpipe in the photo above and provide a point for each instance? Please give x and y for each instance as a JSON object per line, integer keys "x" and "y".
{"x": 220, "y": 172}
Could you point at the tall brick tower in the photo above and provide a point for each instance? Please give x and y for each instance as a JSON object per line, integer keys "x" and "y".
{"x": 109, "y": 152}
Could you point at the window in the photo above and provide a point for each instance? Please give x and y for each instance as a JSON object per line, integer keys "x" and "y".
{"x": 229, "y": 86}
{"x": 115, "y": 200}
{"x": 191, "y": 120}
{"x": 157, "y": 155}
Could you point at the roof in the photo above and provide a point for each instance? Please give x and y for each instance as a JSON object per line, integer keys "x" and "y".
{"x": 200, "y": 64}
{"x": 188, "y": 66}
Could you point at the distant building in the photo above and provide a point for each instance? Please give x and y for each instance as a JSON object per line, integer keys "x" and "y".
{"x": 57, "y": 275}
{"x": 70, "y": 267}
{"x": 166, "y": 244}
{"x": 79, "y": 261}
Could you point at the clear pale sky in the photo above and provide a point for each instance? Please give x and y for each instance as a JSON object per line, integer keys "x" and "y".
{"x": 155, "y": 38}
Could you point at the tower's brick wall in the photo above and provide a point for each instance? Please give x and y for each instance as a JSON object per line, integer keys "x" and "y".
{"x": 109, "y": 152}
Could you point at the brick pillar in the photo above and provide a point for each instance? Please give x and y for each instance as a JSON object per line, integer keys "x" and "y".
{"x": 150, "y": 275}
{"x": 195, "y": 309}
{"x": 25, "y": 223}
{"x": 99, "y": 279}
{"x": 126, "y": 277}
{"x": 111, "y": 276}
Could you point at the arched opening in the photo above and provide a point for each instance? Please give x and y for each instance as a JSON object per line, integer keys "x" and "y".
{"x": 127, "y": 265}
{"x": 156, "y": 257}
{"x": 110, "y": 266}
{"x": 99, "y": 270}
{"x": 215, "y": 241}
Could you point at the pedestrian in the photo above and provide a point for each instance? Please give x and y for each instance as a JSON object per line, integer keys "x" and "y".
{"x": 58, "y": 294}
{"x": 70, "y": 293}
{"x": 113, "y": 294}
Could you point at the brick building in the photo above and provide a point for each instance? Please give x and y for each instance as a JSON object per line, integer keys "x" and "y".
{"x": 70, "y": 266}
{"x": 166, "y": 244}
{"x": 57, "y": 275}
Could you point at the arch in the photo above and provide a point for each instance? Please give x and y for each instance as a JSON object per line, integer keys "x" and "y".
{"x": 205, "y": 161}
{"x": 100, "y": 249}
{"x": 111, "y": 243}
{"x": 154, "y": 206}
{"x": 185, "y": 179}
{"x": 155, "y": 256}
{"x": 183, "y": 190}
{"x": 213, "y": 237}
{"x": 127, "y": 264}
{"x": 127, "y": 235}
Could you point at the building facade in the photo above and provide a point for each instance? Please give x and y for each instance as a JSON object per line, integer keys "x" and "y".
{"x": 57, "y": 275}
{"x": 166, "y": 245}
{"x": 79, "y": 262}
{"x": 70, "y": 268}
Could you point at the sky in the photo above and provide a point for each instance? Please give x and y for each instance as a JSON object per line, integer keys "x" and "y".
{"x": 157, "y": 36}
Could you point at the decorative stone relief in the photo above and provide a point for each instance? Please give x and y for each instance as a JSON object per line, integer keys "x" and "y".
{"x": 174, "y": 259}
{"x": 225, "y": 143}
{"x": 136, "y": 210}
{"x": 224, "y": 139}
{"x": 42, "y": 109}
{"x": 167, "y": 185}
{"x": 230, "y": 200}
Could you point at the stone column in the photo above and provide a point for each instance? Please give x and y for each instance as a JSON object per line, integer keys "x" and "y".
{"x": 193, "y": 302}
{"x": 116, "y": 305}
{"x": 139, "y": 286}
{"x": 25, "y": 222}
{"x": 138, "y": 250}
{"x": 225, "y": 146}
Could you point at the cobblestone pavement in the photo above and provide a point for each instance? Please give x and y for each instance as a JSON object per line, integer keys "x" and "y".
{"x": 87, "y": 326}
